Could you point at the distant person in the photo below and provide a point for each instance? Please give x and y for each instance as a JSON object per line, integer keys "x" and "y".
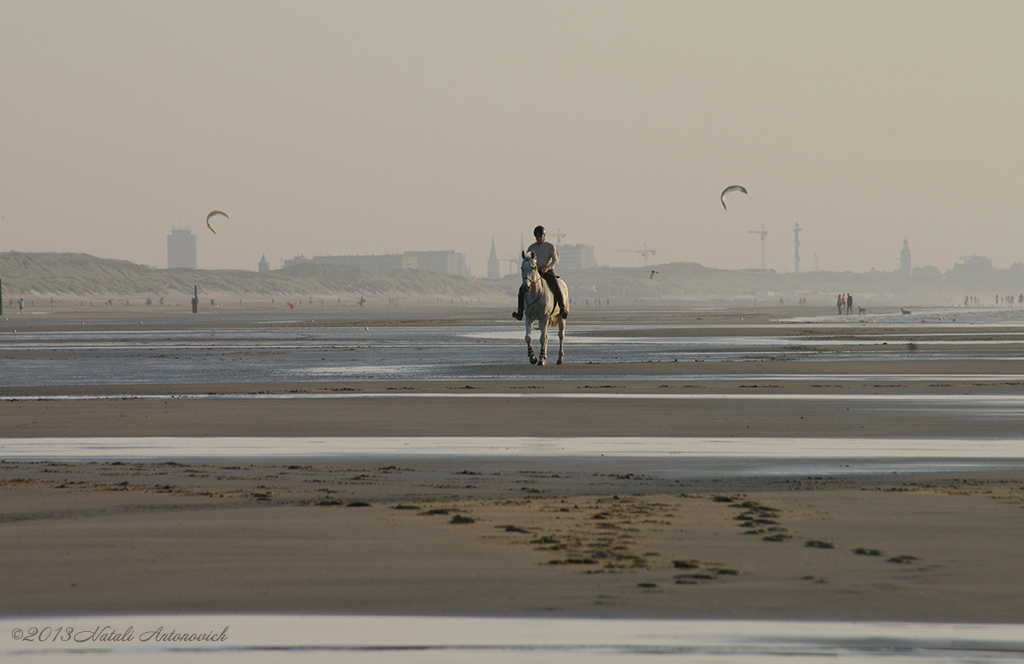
{"x": 849, "y": 303}
{"x": 547, "y": 259}
{"x": 839, "y": 303}
{"x": 21, "y": 304}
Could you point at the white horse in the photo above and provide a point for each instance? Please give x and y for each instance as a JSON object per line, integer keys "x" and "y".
{"x": 541, "y": 305}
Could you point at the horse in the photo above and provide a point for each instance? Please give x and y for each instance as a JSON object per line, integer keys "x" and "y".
{"x": 539, "y": 304}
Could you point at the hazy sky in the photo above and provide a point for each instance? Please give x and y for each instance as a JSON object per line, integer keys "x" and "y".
{"x": 331, "y": 127}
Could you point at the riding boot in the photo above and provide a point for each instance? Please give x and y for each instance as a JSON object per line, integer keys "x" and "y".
{"x": 518, "y": 313}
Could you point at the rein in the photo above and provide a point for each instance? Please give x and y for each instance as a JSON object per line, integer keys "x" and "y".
{"x": 530, "y": 281}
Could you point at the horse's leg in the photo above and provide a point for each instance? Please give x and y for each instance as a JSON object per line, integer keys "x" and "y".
{"x": 543, "y": 341}
{"x": 561, "y": 339}
{"x": 529, "y": 342}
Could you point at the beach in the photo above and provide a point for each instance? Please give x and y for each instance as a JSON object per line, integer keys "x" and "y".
{"x": 624, "y": 489}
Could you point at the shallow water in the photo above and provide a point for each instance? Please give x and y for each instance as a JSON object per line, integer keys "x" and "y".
{"x": 400, "y": 640}
{"x": 269, "y": 352}
{"x": 668, "y": 457}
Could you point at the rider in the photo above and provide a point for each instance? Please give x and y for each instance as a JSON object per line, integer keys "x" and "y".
{"x": 547, "y": 259}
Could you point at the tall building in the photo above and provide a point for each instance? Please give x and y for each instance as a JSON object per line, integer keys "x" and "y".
{"x": 263, "y": 265}
{"x": 905, "y": 270}
{"x": 576, "y": 257}
{"x": 493, "y": 267}
{"x": 181, "y": 249}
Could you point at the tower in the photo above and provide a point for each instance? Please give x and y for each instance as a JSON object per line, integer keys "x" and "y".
{"x": 905, "y": 259}
{"x": 181, "y": 249}
{"x": 796, "y": 248}
{"x": 493, "y": 266}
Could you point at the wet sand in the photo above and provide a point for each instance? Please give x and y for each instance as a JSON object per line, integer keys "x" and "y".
{"x": 513, "y": 536}
{"x": 494, "y": 539}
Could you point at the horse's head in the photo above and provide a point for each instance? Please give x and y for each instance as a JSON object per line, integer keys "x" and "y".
{"x": 529, "y": 265}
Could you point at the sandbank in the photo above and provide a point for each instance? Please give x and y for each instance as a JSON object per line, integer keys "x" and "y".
{"x": 513, "y": 536}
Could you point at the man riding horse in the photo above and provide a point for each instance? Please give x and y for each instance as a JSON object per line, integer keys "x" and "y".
{"x": 547, "y": 259}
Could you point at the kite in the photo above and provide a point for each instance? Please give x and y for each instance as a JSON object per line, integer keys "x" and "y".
{"x": 725, "y": 191}
{"x": 210, "y": 215}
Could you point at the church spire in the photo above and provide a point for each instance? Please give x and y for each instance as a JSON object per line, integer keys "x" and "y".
{"x": 493, "y": 266}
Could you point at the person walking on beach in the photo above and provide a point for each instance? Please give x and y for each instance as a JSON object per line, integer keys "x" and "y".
{"x": 839, "y": 303}
{"x": 547, "y": 259}
{"x": 849, "y": 303}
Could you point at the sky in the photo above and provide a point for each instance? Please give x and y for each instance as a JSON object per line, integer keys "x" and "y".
{"x": 371, "y": 127}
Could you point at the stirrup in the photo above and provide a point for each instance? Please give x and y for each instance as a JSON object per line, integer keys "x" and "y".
{"x": 565, "y": 314}
{"x": 517, "y": 314}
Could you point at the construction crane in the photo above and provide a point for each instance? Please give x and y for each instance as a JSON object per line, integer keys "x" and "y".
{"x": 512, "y": 262}
{"x": 557, "y": 236}
{"x": 762, "y": 233}
{"x": 645, "y": 252}
{"x": 796, "y": 248}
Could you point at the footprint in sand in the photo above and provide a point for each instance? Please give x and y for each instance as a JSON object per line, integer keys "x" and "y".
{"x": 701, "y": 571}
{"x": 758, "y": 519}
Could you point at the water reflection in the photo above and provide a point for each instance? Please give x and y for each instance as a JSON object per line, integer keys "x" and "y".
{"x": 399, "y": 640}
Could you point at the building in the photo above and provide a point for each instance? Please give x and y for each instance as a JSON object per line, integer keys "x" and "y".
{"x": 263, "y": 265}
{"x": 493, "y": 266}
{"x": 181, "y": 250}
{"x": 905, "y": 270}
{"x": 377, "y": 263}
{"x": 447, "y": 263}
{"x": 576, "y": 257}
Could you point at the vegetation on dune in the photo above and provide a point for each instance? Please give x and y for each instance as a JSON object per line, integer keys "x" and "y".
{"x": 81, "y": 275}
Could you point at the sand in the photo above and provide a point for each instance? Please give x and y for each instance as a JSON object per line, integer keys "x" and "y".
{"x": 507, "y": 536}
{"x": 170, "y": 538}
